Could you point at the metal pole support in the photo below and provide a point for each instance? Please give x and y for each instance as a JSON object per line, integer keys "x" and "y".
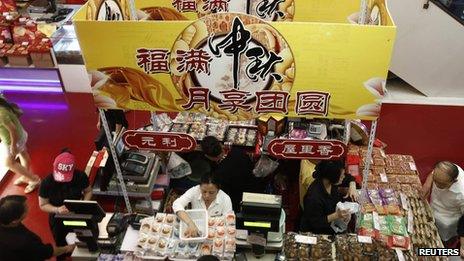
{"x": 109, "y": 138}
{"x": 367, "y": 166}
{"x": 368, "y": 157}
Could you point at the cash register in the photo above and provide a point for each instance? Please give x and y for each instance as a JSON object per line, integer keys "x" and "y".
{"x": 139, "y": 169}
{"x": 135, "y": 165}
{"x": 83, "y": 219}
{"x": 261, "y": 214}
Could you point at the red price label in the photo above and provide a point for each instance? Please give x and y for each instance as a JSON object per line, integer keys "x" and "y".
{"x": 160, "y": 141}
{"x": 306, "y": 149}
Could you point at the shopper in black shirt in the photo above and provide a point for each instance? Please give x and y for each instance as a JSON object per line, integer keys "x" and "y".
{"x": 116, "y": 121}
{"x": 234, "y": 169}
{"x": 16, "y": 241}
{"x": 323, "y": 195}
{"x": 66, "y": 182}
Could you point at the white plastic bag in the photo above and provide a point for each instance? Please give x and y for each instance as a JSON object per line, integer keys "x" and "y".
{"x": 264, "y": 166}
{"x": 177, "y": 167}
{"x": 340, "y": 225}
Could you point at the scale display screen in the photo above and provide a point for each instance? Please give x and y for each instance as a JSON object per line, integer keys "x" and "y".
{"x": 72, "y": 223}
{"x": 257, "y": 224}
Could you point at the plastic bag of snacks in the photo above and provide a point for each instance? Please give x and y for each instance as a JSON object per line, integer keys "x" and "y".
{"x": 391, "y": 201}
{"x": 401, "y": 242}
{"x": 367, "y": 221}
{"x": 397, "y": 225}
{"x": 377, "y": 201}
{"x": 384, "y": 226}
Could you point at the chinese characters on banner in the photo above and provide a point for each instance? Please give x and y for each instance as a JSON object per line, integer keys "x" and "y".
{"x": 305, "y": 149}
{"x": 158, "y": 141}
{"x": 153, "y": 60}
{"x": 264, "y": 9}
{"x": 213, "y": 6}
{"x": 252, "y": 72}
{"x": 185, "y": 5}
{"x": 267, "y": 9}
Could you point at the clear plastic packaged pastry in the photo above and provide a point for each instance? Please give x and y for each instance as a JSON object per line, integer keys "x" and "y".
{"x": 218, "y": 247}
{"x": 159, "y": 218}
{"x": 206, "y": 248}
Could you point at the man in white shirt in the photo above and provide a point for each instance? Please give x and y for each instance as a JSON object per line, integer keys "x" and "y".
{"x": 445, "y": 185}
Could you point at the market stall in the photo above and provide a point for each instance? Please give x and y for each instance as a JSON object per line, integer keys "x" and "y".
{"x": 394, "y": 222}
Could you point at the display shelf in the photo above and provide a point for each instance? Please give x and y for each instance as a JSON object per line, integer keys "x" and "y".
{"x": 29, "y": 67}
{"x": 98, "y": 192}
{"x": 270, "y": 246}
{"x": 66, "y": 46}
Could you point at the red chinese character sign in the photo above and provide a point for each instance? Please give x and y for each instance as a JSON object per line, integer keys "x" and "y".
{"x": 306, "y": 149}
{"x": 159, "y": 141}
{"x": 244, "y": 63}
{"x": 153, "y": 60}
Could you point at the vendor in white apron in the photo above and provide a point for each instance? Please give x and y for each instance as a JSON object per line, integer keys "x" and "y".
{"x": 207, "y": 195}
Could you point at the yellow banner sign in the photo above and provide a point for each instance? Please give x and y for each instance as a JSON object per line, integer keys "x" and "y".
{"x": 237, "y": 66}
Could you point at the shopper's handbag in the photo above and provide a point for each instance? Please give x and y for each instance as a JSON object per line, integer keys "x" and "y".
{"x": 177, "y": 167}
{"x": 265, "y": 166}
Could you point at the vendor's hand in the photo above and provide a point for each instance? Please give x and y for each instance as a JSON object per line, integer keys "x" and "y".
{"x": 62, "y": 210}
{"x": 352, "y": 192}
{"x": 427, "y": 187}
{"x": 192, "y": 231}
{"x": 343, "y": 214}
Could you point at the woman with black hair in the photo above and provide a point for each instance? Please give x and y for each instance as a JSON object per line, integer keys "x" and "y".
{"x": 323, "y": 195}
{"x": 208, "y": 195}
{"x": 13, "y": 144}
{"x": 17, "y": 242}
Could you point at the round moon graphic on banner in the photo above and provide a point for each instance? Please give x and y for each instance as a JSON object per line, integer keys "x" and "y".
{"x": 236, "y": 58}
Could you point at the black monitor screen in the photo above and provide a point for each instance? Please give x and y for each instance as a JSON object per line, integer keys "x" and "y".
{"x": 85, "y": 207}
